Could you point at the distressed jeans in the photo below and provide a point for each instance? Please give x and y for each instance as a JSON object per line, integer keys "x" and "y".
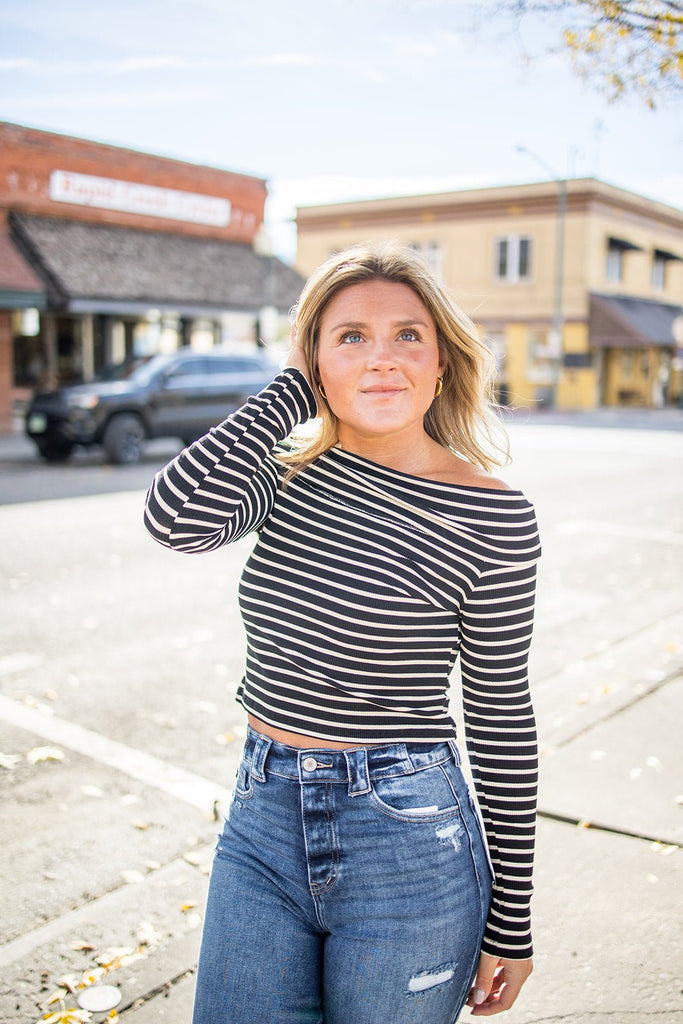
{"x": 348, "y": 887}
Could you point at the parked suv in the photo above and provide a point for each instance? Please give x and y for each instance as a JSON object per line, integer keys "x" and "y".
{"x": 178, "y": 395}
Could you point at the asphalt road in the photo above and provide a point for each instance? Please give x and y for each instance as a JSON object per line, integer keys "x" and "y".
{"x": 118, "y": 727}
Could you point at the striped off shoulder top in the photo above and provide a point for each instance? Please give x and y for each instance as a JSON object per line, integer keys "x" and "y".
{"x": 364, "y": 586}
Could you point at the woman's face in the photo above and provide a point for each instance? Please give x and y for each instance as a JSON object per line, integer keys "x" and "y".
{"x": 378, "y": 361}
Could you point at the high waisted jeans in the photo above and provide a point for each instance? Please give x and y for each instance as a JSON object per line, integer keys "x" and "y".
{"x": 349, "y": 886}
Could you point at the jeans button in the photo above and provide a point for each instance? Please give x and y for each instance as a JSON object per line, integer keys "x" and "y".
{"x": 310, "y": 764}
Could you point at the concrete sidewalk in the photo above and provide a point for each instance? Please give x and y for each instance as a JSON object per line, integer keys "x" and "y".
{"x": 607, "y": 907}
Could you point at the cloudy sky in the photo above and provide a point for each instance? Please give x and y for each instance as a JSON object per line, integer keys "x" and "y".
{"x": 332, "y": 99}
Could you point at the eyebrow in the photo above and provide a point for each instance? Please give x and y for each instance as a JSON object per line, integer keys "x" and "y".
{"x": 358, "y": 325}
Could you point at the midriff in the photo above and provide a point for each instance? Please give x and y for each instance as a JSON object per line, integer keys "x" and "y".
{"x": 296, "y": 739}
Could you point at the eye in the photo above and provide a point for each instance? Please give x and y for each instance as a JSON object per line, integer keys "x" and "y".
{"x": 408, "y": 334}
{"x": 351, "y": 338}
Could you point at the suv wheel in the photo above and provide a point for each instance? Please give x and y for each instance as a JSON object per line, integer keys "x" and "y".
{"x": 123, "y": 439}
{"x": 55, "y": 451}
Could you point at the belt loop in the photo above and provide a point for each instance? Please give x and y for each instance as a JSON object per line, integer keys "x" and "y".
{"x": 454, "y": 751}
{"x": 359, "y": 775}
{"x": 262, "y": 745}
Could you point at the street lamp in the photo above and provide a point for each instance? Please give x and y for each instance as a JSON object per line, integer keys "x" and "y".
{"x": 555, "y": 337}
{"x": 267, "y": 320}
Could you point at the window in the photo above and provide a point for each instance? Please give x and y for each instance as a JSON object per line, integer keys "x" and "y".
{"x": 513, "y": 258}
{"x": 658, "y": 272}
{"x": 615, "y": 263}
{"x": 616, "y": 248}
{"x": 432, "y": 253}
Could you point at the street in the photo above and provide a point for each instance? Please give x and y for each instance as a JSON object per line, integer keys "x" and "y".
{"x": 119, "y": 733}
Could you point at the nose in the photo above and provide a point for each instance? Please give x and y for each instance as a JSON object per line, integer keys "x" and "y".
{"x": 381, "y": 354}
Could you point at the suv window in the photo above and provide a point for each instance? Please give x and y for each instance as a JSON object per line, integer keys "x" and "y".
{"x": 188, "y": 368}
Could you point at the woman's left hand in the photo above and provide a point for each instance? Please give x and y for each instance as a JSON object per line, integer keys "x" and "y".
{"x": 497, "y": 984}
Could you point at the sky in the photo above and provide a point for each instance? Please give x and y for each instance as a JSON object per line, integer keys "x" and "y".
{"x": 332, "y": 100}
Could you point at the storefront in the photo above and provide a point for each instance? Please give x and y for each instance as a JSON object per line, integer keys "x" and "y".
{"x": 107, "y": 254}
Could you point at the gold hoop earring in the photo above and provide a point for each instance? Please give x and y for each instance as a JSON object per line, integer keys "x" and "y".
{"x": 322, "y": 390}
{"x": 439, "y": 387}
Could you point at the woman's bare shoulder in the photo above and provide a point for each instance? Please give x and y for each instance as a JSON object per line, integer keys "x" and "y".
{"x": 451, "y": 469}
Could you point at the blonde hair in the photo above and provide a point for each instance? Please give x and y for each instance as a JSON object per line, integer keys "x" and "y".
{"x": 462, "y": 417}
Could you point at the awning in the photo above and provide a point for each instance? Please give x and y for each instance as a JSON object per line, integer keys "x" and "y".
{"x": 20, "y": 287}
{"x": 99, "y": 268}
{"x": 622, "y": 244}
{"x": 664, "y": 254}
{"x": 617, "y": 321}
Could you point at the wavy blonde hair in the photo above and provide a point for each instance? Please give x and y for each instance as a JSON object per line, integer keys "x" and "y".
{"x": 462, "y": 418}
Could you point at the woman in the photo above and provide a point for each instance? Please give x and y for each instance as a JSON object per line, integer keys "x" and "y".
{"x": 351, "y": 883}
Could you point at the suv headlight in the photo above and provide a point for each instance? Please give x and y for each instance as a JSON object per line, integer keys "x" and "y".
{"x": 82, "y": 401}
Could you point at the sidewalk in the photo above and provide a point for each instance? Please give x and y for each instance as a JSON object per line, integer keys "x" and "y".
{"x": 607, "y": 905}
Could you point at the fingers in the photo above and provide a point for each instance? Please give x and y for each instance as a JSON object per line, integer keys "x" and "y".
{"x": 497, "y": 984}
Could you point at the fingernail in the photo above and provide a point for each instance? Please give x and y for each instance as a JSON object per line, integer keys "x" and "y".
{"x": 478, "y": 996}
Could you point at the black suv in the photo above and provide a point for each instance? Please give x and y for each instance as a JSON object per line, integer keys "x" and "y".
{"x": 179, "y": 395}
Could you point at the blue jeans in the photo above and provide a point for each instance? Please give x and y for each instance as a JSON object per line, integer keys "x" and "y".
{"x": 349, "y": 886}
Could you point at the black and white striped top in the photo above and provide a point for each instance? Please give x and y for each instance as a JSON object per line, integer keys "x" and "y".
{"x": 362, "y": 588}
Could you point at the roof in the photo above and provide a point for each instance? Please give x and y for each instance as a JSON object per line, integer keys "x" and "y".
{"x": 624, "y": 322}
{"x": 491, "y": 201}
{"x": 102, "y": 268}
{"x": 20, "y": 287}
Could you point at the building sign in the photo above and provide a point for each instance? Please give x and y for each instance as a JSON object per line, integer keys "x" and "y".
{"x": 129, "y": 197}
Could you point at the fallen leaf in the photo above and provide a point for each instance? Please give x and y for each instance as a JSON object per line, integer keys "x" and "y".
{"x": 84, "y": 947}
{"x": 68, "y": 982}
{"x": 190, "y": 905}
{"x": 147, "y": 935}
{"x": 39, "y": 754}
{"x": 9, "y": 761}
{"x": 223, "y": 739}
{"x": 67, "y": 1015}
{"x": 132, "y": 877}
{"x": 57, "y": 997}
{"x": 128, "y": 799}
{"x": 664, "y": 849}
{"x": 141, "y": 826}
{"x": 92, "y": 976}
{"x": 584, "y": 823}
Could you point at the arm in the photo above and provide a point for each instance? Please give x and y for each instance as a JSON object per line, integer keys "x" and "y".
{"x": 223, "y": 485}
{"x": 496, "y": 625}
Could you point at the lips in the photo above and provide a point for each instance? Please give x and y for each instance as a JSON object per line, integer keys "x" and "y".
{"x": 379, "y": 390}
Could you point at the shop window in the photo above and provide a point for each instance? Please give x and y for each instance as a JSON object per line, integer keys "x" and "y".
{"x": 539, "y": 361}
{"x": 627, "y": 364}
{"x": 513, "y": 258}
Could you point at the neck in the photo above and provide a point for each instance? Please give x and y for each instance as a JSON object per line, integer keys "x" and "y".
{"x": 406, "y": 455}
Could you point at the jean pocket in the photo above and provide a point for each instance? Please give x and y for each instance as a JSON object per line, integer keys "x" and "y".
{"x": 244, "y": 784}
{"x": 424, "y": 795}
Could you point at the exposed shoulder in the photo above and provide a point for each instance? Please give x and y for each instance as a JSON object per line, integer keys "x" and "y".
{"x": 451, "y": 469}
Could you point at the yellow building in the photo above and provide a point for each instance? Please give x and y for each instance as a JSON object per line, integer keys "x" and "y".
{"x": 577, "y": 286}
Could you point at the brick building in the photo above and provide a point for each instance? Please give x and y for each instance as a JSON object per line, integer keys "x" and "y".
{"x": 107, "y": 253}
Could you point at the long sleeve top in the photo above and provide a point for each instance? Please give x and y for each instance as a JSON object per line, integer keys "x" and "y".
{"x": 363, "y": 587}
